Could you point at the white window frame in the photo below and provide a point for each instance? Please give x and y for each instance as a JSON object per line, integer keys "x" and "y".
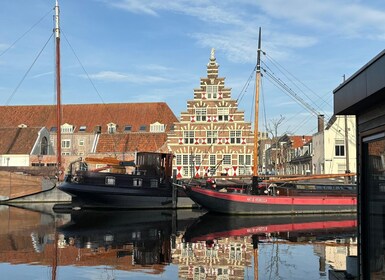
{"x": 211, "y": 91}
{"x": 157, "y": 127}
{"x": 66, "y": 143}
{"x": 201, "y": 114}
{"x": 223, "y": 114}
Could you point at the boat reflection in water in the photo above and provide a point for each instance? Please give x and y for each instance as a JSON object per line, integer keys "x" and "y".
{"x": 125, "y": 239}
{"x": 223, "y": 246}
{"x": 183, "y": 244}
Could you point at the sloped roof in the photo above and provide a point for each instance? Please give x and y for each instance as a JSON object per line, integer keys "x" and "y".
{"x": 90, "y": 115}
{"x": 18, "y": 141}
{"x": 129, "y": 142}
{"x": 299, "y": 141}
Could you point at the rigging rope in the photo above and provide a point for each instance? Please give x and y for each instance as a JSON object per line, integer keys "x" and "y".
{"x": 25, "y": 33}
{"x": 26, "y": 73}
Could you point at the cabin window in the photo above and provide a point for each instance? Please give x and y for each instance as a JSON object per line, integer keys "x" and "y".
{"x": 66, "y": 144}
{"x": 110, "y": 181}
{"x": 211, "y": 92}
{"x": 211, "y": 137}
{"x": 82, "y": 128}
{"x": 188, "y": 137}
{"x": 339, "y": 148}
{"x": 223, "y": 114}
{"x": 137, "y": 182}
{"x": 44, "y": 146}
{"x": 157, "y": 127}
{"x": 128, "y": 128}
{"x": 235, "y": 136}
{"x": 200, "y": 114}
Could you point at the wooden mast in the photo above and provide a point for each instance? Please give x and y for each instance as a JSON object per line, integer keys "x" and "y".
{"x": 256, "y": 112}
{"x": 58, "y": 92}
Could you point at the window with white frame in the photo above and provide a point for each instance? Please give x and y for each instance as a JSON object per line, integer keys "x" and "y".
{"x": 235, "y": 136}
{"x": 223, "y": 114}
{"x": 81, "y": 142}
{"x": 157, "y": 127}
{"x": 226, "y": 160}
{"x": 244, "y": 159}
{"x": 211, "y": 92}
{"x": 188, "y": 137}
{"x": 188, "y": 162}
{"x": 211, "y": 136}
{"x": 339, "y": 148}
{"x": 67, "y": 128}
{"x": 178, "y": 159}
{"x": 111, "y": 128}
{"x": 200, "y": 114}
{"x": 66, "y": 144}
{"x": 82, "y": 128}
{"x": 213, "y": 160}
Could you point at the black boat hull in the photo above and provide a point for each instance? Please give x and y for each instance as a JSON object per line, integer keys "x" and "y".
{"x": 92, "y": 196}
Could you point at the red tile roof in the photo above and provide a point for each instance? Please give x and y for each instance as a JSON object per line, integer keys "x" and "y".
{"x": 18, "y": 140}
{"x": 129, "y": 142}
{"x": 90, "y": 115}
{"x": 299, "y": 141}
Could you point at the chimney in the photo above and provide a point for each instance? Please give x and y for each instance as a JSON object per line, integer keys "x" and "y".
{"x": 321, "y": 123}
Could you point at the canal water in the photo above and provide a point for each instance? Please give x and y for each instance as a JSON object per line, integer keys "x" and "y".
{"x": 38, "y": 243}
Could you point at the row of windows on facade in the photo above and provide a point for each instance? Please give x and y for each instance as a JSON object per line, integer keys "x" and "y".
{"x": 111, "y": 128}
{"x": 222, "y": 114}
{"x": 211, "y": 92}
{"x": 213, "y": 159}
{"x": 212, "y": 136}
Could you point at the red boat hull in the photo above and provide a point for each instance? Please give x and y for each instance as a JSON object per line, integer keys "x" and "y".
{"x": 240, "y": 203}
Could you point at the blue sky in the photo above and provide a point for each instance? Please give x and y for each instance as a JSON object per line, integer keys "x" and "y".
{"x": 155, "y": 50}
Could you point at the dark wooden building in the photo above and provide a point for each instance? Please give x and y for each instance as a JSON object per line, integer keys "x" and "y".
{"x": 363, "y": 95}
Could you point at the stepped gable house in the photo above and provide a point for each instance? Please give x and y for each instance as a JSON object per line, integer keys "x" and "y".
{"x": 212, "y": 136}
{"x": 97, "y": 129}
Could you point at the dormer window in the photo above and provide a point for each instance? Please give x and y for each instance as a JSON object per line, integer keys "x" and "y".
{"x": 127, "y": 128}
{"x": 142, "y": 128}
{"x": 111, "y": 128}
{"x": 157, "y": 127}
{"x": 67, "y": 128}
{"x": 82, "y": 128}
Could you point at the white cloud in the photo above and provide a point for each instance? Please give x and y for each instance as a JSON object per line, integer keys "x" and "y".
{"x": 112, "y": 76}
{"x": 344, "y": 17}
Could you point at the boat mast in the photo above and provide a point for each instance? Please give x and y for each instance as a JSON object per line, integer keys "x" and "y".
{"x": 58, "y": 87}
{"x": 256, "y": 110}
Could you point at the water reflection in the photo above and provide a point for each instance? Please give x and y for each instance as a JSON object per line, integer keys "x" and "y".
{"x": 174, "y": 244}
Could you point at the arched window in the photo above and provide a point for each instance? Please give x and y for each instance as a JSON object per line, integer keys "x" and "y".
{"x": 44, "y": 146}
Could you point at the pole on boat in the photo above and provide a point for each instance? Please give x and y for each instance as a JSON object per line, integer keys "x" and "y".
{"x": 58, "y": 91}
{"x": 256, "y": 113}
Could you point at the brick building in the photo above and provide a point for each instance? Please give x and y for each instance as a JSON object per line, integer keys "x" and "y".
{"x": 90, "y": 129}
{"x": 212, "y": 136}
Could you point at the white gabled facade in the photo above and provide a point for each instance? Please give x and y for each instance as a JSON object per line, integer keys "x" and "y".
{"x": 329, "y": 147}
